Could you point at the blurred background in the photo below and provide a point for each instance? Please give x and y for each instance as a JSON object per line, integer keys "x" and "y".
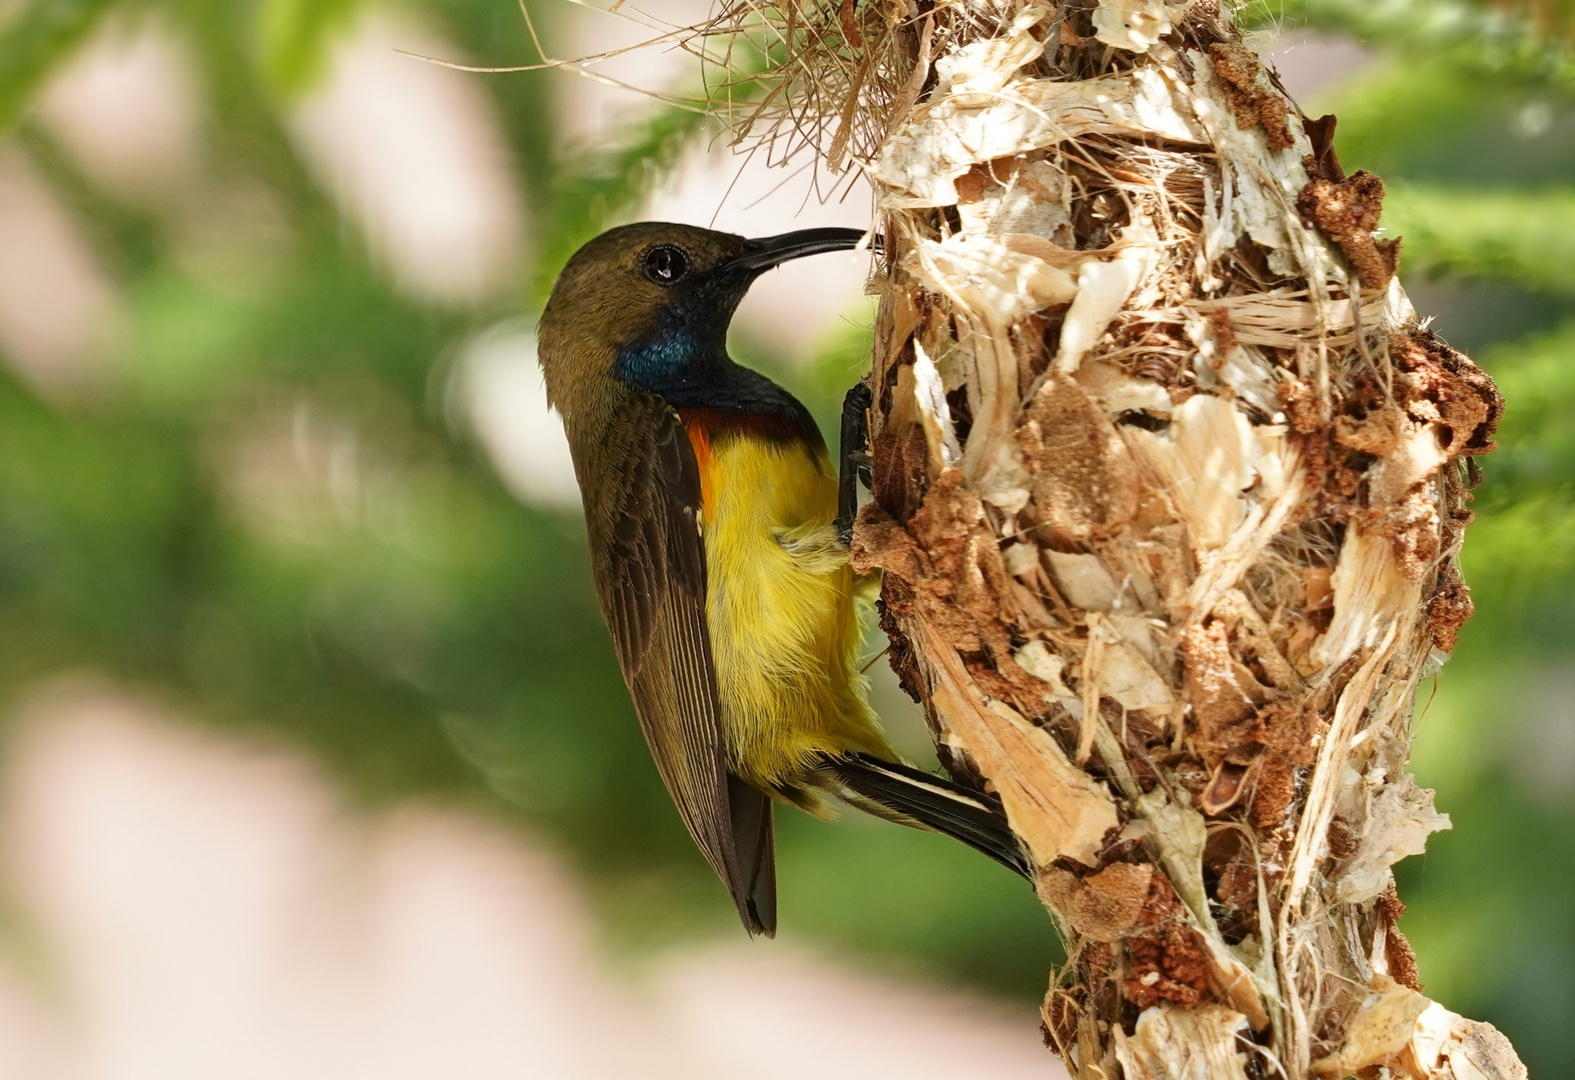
{"x": 314, "y": 758}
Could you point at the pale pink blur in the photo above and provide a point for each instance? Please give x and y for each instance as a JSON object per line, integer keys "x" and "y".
{"x": 192, "y": 907}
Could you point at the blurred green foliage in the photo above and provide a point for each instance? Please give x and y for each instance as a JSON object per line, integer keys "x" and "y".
{"x": 37, "y": 40}
{"x": 294, "y": 36}
{"x": 427, "y": 633}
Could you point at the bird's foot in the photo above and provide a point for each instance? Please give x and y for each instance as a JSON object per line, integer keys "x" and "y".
{"x": 853, "y": 458}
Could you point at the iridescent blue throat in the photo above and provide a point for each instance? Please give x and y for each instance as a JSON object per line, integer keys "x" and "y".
{"x": 669, "y": 360}
{"x": 675, "y": 367}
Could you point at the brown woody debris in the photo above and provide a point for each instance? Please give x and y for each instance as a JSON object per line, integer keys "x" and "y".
{"x": 1253, "y": 745}
{"x": 1322, "y": 162}
{"x": 1085, "y": 483}
{"x": 1342, "y": 839}
{"x": 1166, "y": 960}
{"x": 1058, "y": 1019}
{"x": 898, "y": 467}
{"x": 1238, "y": 887}
{"x": 1223, "y": 693}
{"x": 1449, "y": 607}
{"x": 883, "y": 544}
{"x": 1300, "y": 402}
{"x": 1412, "y": 528}
{"x": 1376, "y": 432}
{"x": 1251, "y": 101}
{"x": 895, "y": 596}
{"x": 947, "y": 569}
{"x": 1102, "y": 906}
{"x": 1348, "y": 212}
{"x": 1445, "y": 388}
{"x": 1444, "y": 407}
{"x": 1401, "y": 957}
{"x": 947, "y": 557}
{"x": 1275, "y": 788}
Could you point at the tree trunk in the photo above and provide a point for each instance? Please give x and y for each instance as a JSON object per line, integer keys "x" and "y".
{"x": 1169, "y": 482}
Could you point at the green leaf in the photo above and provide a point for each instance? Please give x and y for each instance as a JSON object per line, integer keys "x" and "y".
{"x": 1525, "y": 236}
{"x": 35, "y": 43}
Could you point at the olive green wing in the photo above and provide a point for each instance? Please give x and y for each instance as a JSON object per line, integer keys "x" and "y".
{"x": 649, "y": 561}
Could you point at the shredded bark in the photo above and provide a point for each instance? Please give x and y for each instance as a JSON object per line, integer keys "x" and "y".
{"x": 1348, "y": 212}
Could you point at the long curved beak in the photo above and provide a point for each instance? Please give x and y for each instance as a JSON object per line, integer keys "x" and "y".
{"x": 761, "y": 255}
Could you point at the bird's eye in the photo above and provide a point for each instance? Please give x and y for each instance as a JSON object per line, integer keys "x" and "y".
{"x": 666, "y": 264}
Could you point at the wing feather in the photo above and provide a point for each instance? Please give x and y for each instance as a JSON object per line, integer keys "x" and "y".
{"x": 645, "y": 532}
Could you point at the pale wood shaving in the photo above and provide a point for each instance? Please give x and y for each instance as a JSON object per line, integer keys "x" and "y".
{"x": 1207, "y": 1043}
{"x": 1056, "y": 808}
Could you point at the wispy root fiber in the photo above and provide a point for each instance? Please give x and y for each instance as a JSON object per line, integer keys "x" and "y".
{"x": 1169, "y": 485}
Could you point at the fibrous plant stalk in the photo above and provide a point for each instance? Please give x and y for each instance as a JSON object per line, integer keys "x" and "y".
{"x": 1169, "y": 481}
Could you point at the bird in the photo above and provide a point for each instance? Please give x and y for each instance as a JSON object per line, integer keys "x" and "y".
{"x": 720, "y": 557}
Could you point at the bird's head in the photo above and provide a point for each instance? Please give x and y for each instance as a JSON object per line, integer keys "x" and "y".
{"x": 650, "y": 303}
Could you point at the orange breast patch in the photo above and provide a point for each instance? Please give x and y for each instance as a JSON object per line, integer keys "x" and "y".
{"x": 700, "y": 439}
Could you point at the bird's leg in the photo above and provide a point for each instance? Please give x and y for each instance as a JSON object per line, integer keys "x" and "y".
{"x": 853, "y": 461}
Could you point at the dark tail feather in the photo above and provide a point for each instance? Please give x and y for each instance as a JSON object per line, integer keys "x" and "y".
{"x": 755, "y": 892}
{"x": 935, "y": 803}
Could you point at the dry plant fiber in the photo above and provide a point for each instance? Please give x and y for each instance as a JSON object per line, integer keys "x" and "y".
{"x": 1169, "y": 484}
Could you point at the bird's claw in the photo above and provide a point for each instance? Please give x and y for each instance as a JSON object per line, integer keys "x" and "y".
{"x": 853, "y": 458}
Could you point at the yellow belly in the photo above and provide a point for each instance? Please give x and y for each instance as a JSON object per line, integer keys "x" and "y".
{"x": 784, "y": 633}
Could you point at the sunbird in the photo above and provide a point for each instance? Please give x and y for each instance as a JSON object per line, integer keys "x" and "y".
{"x": 717, "y": 530}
